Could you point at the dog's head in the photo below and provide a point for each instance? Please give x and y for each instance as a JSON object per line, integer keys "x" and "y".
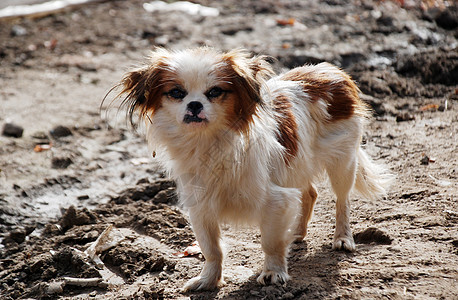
{"x": 197, "y": 90}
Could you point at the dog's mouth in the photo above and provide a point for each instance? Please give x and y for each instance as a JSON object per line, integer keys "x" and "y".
{"x": 193, "y": 119}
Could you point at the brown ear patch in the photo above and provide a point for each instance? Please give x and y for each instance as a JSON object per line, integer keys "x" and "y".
{"x": 287, "y": 127}
{"x": 246, "y": 75}
{"x": 328, "y": 83}
{"x": 143, "y": 89}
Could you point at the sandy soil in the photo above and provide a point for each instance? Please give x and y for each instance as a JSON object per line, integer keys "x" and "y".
{"x": 55, "y": 70}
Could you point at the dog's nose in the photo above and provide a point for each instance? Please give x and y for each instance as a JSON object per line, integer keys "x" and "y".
{"x": 195, "y": 107}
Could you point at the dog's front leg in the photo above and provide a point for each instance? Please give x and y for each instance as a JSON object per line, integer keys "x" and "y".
{"x": 278, "y": 218}
{"x": 208, "y": 235}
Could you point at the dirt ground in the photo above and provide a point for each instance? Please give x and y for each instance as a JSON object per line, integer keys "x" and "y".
{"x": 54, "y": 203}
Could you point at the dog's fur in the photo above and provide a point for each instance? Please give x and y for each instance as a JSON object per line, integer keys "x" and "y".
{"x": 253, "y": 147}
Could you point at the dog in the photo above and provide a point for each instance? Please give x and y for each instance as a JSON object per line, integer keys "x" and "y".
{"x": 246, "y": 145}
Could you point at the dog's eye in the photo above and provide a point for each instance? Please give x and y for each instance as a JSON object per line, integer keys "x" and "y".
{"x": 214, "y": 92}
{"x": 177, "y": 93}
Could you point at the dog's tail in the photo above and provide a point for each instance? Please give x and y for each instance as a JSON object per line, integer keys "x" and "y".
{"x": 372, "y": 180}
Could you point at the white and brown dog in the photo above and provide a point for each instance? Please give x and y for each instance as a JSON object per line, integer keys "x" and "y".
{"x": 245, "y": 145}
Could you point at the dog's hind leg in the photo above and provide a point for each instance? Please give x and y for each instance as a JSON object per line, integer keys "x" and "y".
{"x": 277, "y": 221}
{"x": 342, "y": 175}
{"x": 307, "y": 201}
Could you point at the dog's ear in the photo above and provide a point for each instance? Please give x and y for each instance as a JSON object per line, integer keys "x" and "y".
{"x": 133, "y": 87}
{"x": 142, "y": 88}
{"x": 247, "y": 75}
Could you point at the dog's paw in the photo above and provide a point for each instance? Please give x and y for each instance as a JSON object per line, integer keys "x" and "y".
{"x": 344, "y": 243}
{"x": 273, "y": 277}
{"x": 201, "y": 283}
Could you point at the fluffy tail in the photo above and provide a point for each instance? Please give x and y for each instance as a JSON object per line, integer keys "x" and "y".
{"x": 372, "y": 180}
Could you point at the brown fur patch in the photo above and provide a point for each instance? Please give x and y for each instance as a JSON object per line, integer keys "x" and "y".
{"x": 287, "y": 127}
{"x": 326, "y": 82}
{"x": 245, "y": 75}
{"x": 144, "y": 87}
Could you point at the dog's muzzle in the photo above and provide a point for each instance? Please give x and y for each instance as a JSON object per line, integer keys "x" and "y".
{"x": 194, "y": 113}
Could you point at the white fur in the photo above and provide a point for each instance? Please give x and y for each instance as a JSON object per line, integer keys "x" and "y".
{"x": 228, "y": 176}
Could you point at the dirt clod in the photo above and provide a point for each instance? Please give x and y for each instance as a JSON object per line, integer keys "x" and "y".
{"x": 447, "y": 19}
{"x": 425, "y": 160}
{"x": 61, "y": 162}
{"x": 17, "y": 236}
{"x": 432, "y": 67}
{"x": 73, "y": 217}
{"x": 404, "y": 116}
{"x": 372, "y": 235}
{"x": 60, "y": 131}
{"x": 12, "y": 130}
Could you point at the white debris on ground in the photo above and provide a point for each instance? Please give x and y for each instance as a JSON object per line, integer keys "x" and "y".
{"x": 39, "y": 9}
{"x": 183, "y": 6}
{"x": 107, "y": 239}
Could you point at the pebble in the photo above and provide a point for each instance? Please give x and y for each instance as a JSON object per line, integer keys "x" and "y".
{"x": 396, "y": 249}
{"x": 41, "y": 136}
{"x": 425, "y": 160}
{"x": 166, "y": 196}
{"x": 142, "y": 181}
{"x": 255, "y": 293}
{"x": 373, "y": 235}
{"x": 18, "y": 235}
{"x": 287, "y": 295}
{"x": 17, "y": 30}
{"x": 405, "y": 116}
{"x": 447, "y": 19}
{"x": 12, "y": 130}
{"x": 55, "y": 288}
{"x": 163, "y": 276}
{"x": 270, "y": 290}
{"x": 60, "y": 131}
{"x": 61, "y": 162}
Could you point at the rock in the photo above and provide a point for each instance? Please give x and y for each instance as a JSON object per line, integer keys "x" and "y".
{"x": 76, "y": 217}
{"x": 288, "y": 295}
{"x": 142, "y": 181}
{"x": 372, "y": 235}
{"x": 425, "y": 160}
{"x": 60, "y": 131}
{"x": 292, "y": 61}
{"x": 349, "y": 59}
{"x": 52, "y": 229}
{"x": 263, "y": 7}
{"x": 447, "y": 19}
{"x": 166, "y": 196}
{"x": 234, "y": 28}
{"x": 455, "y": 243}
{"x": 255, "y": 293}
{"x": 437, "y": 66}
{"x": 61, "y": 162}
{"x": 18, "y": 30}
{"x": 55, "y": 288}
{"x": 376, "y": 104}
{"x": 395, "y": 249}
{"x": 271, "y": 291}
{"x": 18, "y": 235}
{"x": 374, "y": 85}
{"x": 12, "y": 130}
{"x": 41, "y": 137}
{"x": 404, "y": 116}
{"x": 431, "y": 14}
